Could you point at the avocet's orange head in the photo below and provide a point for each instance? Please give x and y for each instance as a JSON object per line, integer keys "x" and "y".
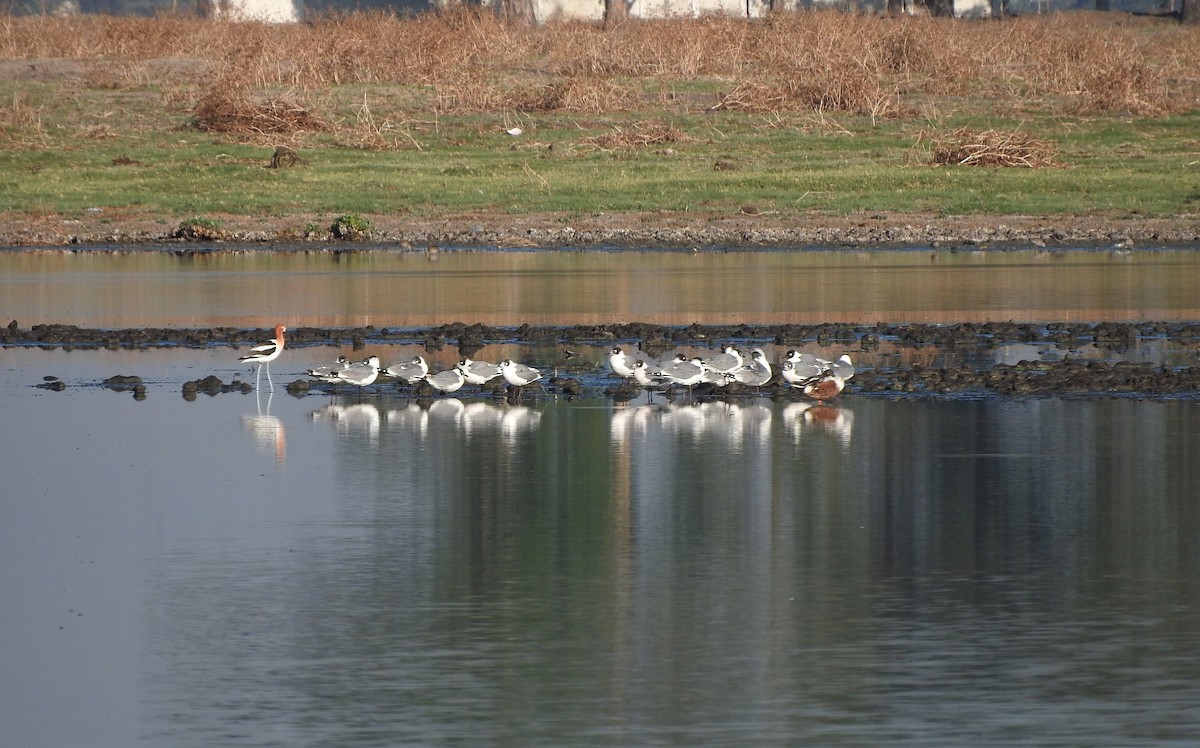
{"x": 279, "y": 331}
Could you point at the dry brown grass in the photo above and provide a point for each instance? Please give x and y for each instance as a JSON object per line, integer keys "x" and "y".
{"x": 21, "y": 125}
{"x": 639, "y": 135}
{"x": 236, "y": 111}
{"x": 577, "y": 93}
{"x": 967, "y": 147}
{"x": 472, "y": 61}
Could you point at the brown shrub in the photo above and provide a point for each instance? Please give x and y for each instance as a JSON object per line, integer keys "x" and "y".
{"x": 967, "y": 147}
{"x": 579, "y": 93}
{"x": 233, "y": 110}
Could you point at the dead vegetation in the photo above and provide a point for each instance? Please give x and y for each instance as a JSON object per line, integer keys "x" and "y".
{"x": 236, "y": 111}
{"x": 241, "y": 79}
{"x": 639, "y": 135}
{"x": 967, "y": 147}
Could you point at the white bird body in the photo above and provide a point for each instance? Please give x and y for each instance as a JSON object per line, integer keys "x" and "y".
{"x": 410, "y": 371}
{"x": 819, "y": 379}
{"x": 725, "y": 363}
{"x": 361, "y": 374}
{"x": 757, "y": 373}
{"x": 450, "y": 380}
{"x": 478, "y": 372}
{"x": 329, "y": 373}
{"x": 649, "y": 381}
{"x": 804, "y": 366}
{"x": 519, "y": 375}
{"x": 265, "y": 354}
{"x": 686, "y": 373}
{"x": 619, "y": 362}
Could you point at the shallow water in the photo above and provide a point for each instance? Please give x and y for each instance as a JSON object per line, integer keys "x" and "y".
{"x": 258, "y": 288}
{"x": 256, "y": 570}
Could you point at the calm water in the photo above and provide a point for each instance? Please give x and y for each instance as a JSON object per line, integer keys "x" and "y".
{"x": 249, "y": 570}
{"x": 389, "y": 289}
{"x": 255, "y": 571}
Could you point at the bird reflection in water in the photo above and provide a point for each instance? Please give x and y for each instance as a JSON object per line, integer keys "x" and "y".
{"x": 820, "y": 418}
{"x": 265, "y": 429}
{"x": 729, "y": 424}
{"x": 420, "y": 419}
{"x": 358, "y": 418}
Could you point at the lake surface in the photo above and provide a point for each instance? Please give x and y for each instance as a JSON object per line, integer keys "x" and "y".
{"x": 258, "y": 570}
{"x": 256, "y": 288}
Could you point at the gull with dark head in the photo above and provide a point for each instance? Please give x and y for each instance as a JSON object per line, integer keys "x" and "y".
{"x": 757, "y": 372}
{"x": 519, "y": 375}
{"x": 619, "y": 362}
{"x": 478, "y": 372}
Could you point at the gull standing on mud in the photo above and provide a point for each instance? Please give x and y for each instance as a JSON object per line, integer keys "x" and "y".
{"x": 648, "y": 381}
{"x": 519, "y": 375}
{"x": 450, "y": 380}
{"x": 265, "y": 354}
{"x": 361, "y": 374}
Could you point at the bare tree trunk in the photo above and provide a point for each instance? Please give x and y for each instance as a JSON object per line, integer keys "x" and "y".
{"x": 1190, "y": 11}
{"x": 518, "y": 12}
{"x": 616, "y": 12}
{"x": 895, "y": 7}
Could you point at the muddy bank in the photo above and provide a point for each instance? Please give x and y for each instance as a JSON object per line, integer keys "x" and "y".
{"x": 652, "y": 339}
{"x": 657, "y": 230}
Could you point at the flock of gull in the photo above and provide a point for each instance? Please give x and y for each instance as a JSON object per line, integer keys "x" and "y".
{"x": 817, "y": 378}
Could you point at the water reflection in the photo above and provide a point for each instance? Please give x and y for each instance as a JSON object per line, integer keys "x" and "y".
{"x": 265, "y": 429}
{"x": 460, "y": 571}
{"x": 149, "y": 288}
{"x": 836, "y": 422}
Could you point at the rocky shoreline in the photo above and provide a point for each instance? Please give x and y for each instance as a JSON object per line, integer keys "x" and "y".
{"x": 577, "y": 375}
{"x": 655, "y": 231}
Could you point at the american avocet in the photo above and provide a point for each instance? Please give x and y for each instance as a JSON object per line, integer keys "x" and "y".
{"x": 450, "y": 380}
{"x": 478, "y": 372}
{"x": 519, "y": 375}
{"x": 757, "y": 373}
{"x": 265, "y": 354}
{"x": 330, "y": 373}
{"x": 361, "y": 374}
{"x": 825, "y": 387}
{"x": 411, "y": 371}
{"x": 619, "y": 362}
